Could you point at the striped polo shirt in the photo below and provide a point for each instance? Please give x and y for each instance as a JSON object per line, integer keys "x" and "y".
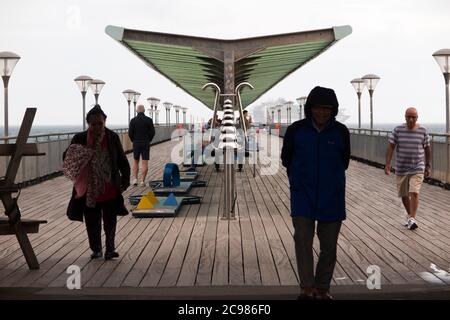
{"x": 410, "y": 153}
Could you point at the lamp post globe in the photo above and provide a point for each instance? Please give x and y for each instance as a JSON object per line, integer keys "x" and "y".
{"x": 96, "y": 86}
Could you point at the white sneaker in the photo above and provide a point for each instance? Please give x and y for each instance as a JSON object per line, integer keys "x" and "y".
{"x": 412, "y": 224}
{"x": 135, "y": 182}
{"x": 142, "y": 184}
{"x": 406, "y": 220}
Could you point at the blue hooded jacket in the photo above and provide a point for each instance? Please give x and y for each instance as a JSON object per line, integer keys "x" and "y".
{"x": 316, "y": 163}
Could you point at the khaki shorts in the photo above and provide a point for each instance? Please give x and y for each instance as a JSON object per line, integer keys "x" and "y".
{"x": 410, "y": 183}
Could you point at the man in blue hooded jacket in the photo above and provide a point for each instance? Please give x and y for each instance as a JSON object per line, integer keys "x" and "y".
{"x": 316, "y": 153}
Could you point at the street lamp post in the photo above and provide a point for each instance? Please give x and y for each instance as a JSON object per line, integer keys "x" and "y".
{"x": 129, "y": 94}
{"x": 272, "y": 109}
{"x": 371, "y": 81}
{"x": 177, "y": 113}
{"x": 153, "y": 106}
{"x": 359, "y": 85}
{"x": 289, "y": 105}
{"x": 301, "y": 103}
{"x": 279, "y": 113}
{"x": 8, "y": 61}
{"x": 167, "y": 105}
{"x": 135, "y": 100}
{"x": 443, "y": 59}
{"x": 184, "y": 109}
{"x": 83, "y": 83}
{"x": 156, "y": 116}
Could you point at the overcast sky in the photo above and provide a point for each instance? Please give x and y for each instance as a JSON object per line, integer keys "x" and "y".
{"x": 59, "y": 40}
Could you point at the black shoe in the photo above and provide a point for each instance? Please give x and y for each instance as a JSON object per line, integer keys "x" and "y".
{"x": 111, "y": 255}
{"x": 96, "y": 255}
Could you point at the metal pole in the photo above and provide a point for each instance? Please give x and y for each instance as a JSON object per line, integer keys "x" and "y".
{"x": 134, "y": 112}
{"x": 447, "y": 102}
{"x": 447, "y": 122}
{"x": 359, "y": 109}
{"x": 129, "y": 120}
{"x": 5, "y": 85}
{"x": 96, "y": 98}
{"x": 371, "y": 109}
{"x": 83, "y": 95}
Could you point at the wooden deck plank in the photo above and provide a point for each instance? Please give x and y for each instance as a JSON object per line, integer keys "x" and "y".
{"x": 252, "y": 274}
{"x": 178, "y": 256}
{"x": 190, "y": 265}
{"x": 269, "y": 275}
{"x": 206, "y": 262}
{"x": 156, "y": 269}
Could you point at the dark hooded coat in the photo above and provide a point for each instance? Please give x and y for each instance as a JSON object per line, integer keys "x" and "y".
{"x": 316, "y": 162}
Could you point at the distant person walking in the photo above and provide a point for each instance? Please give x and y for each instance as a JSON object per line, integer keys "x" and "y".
{"x": 316, "y": 153}
{"x": 141, "y": 132}
{"x": 413, "y": 162}
{"x": 97, "y": 164}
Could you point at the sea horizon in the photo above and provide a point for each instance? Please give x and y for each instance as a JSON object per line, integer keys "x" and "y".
{"x": 55, "y": 129}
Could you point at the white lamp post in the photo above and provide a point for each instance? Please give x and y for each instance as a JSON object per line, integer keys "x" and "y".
{"x": 443, "y": 59}
{"x": 289, "y": 105}
{"x": 371, "y": 81}
{"x": 167, "y": 105}
{"x": 83, "y": 83}
{"x": 177, "y": 113}
{"x": 8, "y": 61}
{"x": 153, "y": 106}
{"x": 156, "y": 116}
{"x": 135, "y": 100}
{"x": 184, "y": 109}
{"x": 279, "y": 113}
{"x": 359, "y": 85}
{"x": 272, "y": 110}
{"x": 301, "y": 103}
{"x": 129, "y": 94}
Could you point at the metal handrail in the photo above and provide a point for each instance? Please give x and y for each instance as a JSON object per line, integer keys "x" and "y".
{"x": 66, "y": 135}
{"x": 387, "y": 132}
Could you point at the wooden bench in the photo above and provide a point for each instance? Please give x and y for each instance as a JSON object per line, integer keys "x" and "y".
{"x": 13, "y": 224}
{"x": 29, "y": 226}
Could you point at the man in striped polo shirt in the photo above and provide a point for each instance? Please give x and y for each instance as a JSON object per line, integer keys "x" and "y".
{"x": 412, "y": 163}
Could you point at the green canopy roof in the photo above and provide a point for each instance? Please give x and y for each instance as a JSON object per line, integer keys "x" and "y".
{"x": 191, "y": 62}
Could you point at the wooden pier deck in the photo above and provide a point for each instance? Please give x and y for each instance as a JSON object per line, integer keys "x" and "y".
{"x": 200, "y": 253}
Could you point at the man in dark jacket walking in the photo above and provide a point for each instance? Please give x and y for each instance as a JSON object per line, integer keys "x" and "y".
{"x": 141, "y": 133}
{"x": 316, "y": 153}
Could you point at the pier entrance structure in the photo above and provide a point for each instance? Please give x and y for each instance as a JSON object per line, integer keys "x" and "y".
{"x": 227, "y": 75}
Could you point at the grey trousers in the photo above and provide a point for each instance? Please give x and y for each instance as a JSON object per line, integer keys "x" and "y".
{"x": 328, "y": 233}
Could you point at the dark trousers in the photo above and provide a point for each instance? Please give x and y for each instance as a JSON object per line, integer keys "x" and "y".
{"x": 327, "y": 233}
{"x": 93, "y": 219}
